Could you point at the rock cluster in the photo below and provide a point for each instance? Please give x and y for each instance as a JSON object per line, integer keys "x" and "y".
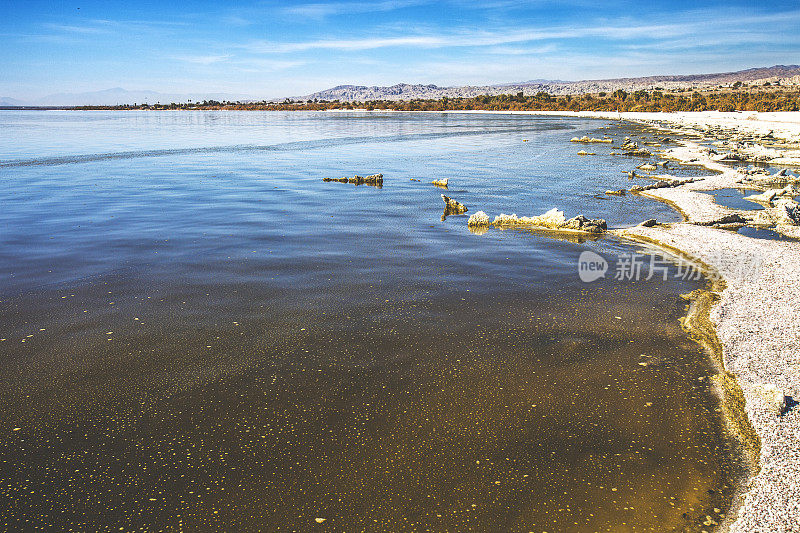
{"x": 662, "y": 184}
{"x": 372, "y": 179}
{"x": 586, "y": 139}
{"x": 732, "y": 221}
{"x": 767, "y": 197}
{"x": 452, "y": 207}
{"x": 552, "y": 220}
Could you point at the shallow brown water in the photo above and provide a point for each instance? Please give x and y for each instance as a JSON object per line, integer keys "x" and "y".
{"x": 490, "y": 412}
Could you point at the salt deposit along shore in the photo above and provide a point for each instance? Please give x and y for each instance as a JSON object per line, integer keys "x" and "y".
{"x": 756, "y": 315}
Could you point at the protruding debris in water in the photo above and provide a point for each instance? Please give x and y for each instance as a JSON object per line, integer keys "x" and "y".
{"x": 552, "y": 220}
{"x": 586, "y": 139}
{"x": 372, "y": 179}
{"x": 453, "y": 207}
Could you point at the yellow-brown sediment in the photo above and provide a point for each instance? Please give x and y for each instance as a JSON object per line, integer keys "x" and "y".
{"x": 697, "y": 323}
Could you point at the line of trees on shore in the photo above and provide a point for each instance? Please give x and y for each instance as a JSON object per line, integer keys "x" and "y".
{"x": 619, "y": 100}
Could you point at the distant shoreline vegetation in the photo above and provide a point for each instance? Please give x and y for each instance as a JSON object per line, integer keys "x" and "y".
{"x": 761, "y": 98}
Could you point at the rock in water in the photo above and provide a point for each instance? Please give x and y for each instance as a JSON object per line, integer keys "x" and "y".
{"x": 663, "y": 184}
{"x": 734, "y": 219}
{"x": 441, "y": 183}
{"x": 452, "y": 207}
{"x": 372, "y": 179}
{"x": 479, "y": 219}
{"x": 581, "y": 223}
{"x": 586, "y": 139}
{"x": 552, "y": 220}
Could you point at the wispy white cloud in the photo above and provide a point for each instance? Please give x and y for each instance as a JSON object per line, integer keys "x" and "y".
{"x": 322, "y": 10}
{"x": 203, "y": 59}
{"x": 262, "y": 65}
{"x": 344, "y": 44}
{"x": 465, "y": 39}
{"x": 614, "y": 31}
{"x": 85, "y": 29}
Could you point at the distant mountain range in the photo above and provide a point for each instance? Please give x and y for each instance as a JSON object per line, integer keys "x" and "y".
{"x": 404, "y": 91}
{"x": 10, "y": 102}
{"x": 119, "y": 96}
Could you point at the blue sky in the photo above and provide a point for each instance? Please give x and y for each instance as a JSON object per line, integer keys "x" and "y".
{"x": 271, "y": 48}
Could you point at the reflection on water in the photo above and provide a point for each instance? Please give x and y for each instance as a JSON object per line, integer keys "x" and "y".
{"x": 734, "y": 198}
{"x": 763, "y": 233}
{"x": 225, "y": 342}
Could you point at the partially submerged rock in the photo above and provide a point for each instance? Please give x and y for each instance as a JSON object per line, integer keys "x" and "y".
{"x": 729, "y": 157}
{"x": 767, "y": 197}
{"x": 586, "y": 139}
{"x": 763, "y": 198}
{"x": 789, "y": 211}
{"x": 662, "y": 184}
{"x": 638, "y": 152}
{"x": 441, "y": 183}
{"x": 631, "y": 174}
{"x": 479, "y": 219}
{"x": 584, "y": 152}
{"x": 372, "y": 179}
{"x": 552, "y": 220}
{"x": 649, "y": 223}
{"x": 452, "y": 207}
{"x": 732, "y": 221}
{"x": 647, "y": 166}
{"x": 620, "y": 192}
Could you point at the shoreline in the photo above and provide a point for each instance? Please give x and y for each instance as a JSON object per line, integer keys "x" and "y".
{"x": 748, "y": 321}
{"x": 754, "y": 314}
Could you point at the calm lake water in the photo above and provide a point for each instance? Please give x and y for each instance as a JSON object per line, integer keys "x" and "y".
{"x": 199, "y": 333}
